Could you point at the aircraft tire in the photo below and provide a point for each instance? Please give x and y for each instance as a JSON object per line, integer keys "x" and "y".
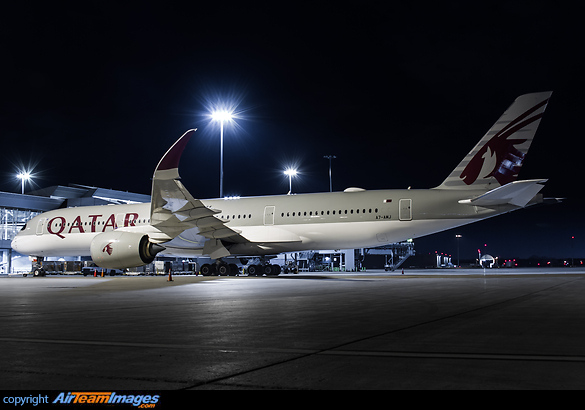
{"x": 271, "y": 270}
{"x": 253, "y": 270}
{"x": 223, "y": 269}
{"x": 206, "y": 270}
{"x": 266, "y": 270}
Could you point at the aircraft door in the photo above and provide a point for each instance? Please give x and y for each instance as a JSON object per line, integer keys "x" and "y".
{"x": 40, "y": 226}
{"x": 269, "y": 215}
{"x": 405, "y": 210}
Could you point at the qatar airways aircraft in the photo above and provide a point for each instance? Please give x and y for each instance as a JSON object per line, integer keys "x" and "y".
{"x": 483, "y": 185}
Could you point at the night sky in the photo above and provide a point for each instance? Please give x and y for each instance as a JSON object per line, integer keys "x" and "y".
{"x": 94, "y": 94}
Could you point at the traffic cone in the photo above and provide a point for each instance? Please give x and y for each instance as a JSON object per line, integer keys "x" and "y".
{"x": 403, "y": 271}
{"x": 170, "y": 279}
{"x": 95, "y": 273}
{"x": 102, "y": 273}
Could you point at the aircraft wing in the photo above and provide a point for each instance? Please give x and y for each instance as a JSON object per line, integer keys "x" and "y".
{"x": 173, "y": 209}
{"x": 517, "y": 193}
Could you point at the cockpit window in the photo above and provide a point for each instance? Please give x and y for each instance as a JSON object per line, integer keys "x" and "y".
{"x": 23, "y": 227}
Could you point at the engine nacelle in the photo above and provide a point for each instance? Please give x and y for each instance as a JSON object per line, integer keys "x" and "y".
{"x": 119, "y": 249}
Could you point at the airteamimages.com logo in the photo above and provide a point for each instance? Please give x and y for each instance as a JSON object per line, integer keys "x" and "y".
{"x": 143, "y": 401}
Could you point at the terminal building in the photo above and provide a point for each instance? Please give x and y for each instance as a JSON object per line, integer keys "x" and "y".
{"x": 17, "y": 209}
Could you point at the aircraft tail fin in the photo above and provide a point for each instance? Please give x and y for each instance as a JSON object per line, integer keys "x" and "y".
{"x": 497, "y": 158}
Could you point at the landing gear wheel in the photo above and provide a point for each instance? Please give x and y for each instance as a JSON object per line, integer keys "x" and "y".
{"x": 207, "y": 270}
{"x": 39, "y": 272}
{"x": 223, "y": 269}
{"x": 271, "y": 270}
{"x": 253, "y": 270}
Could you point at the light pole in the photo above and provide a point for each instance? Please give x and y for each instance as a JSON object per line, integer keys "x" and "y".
{"x": 23, "y": 176}
{"x": 221, "y": 116}
{"x": 291, "y": 173}
{"x": 572, "y": 254}
{"x": 457, "y": 236}
{"x": 330, "y": 157}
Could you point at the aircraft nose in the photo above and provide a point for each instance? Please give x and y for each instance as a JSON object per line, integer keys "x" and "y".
{"x": 14, "y": 243}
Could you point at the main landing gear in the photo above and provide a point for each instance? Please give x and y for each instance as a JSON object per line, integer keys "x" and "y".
{"x": 221, "y": 268}
{"x": 259, "y": 270}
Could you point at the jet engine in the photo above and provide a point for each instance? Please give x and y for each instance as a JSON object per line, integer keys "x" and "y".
{"x": 119, "y": 249}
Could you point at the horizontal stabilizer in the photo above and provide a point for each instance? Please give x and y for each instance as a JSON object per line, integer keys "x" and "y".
{"x": 518, "y": 193}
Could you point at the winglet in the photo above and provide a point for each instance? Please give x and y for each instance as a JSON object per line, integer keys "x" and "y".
{"x": 170, "y": 161}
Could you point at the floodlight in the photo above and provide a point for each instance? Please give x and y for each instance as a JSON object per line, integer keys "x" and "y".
{"x": 23, "y": 176}
{"x": 290, "y": 172}
{"x": 222, "y": 115}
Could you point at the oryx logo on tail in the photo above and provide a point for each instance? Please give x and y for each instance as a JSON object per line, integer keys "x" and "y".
{"x": 508, "y": 159}
{"x": 497, "y": 158}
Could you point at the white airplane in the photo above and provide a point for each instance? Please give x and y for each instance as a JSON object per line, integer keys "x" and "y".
{"x": 483, "y": 185}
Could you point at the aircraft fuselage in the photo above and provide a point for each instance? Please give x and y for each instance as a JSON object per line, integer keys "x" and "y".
{"x": 272, "y": 224}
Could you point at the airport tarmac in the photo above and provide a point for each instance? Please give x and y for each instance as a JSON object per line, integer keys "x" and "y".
{"x": 431, "y": 329}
